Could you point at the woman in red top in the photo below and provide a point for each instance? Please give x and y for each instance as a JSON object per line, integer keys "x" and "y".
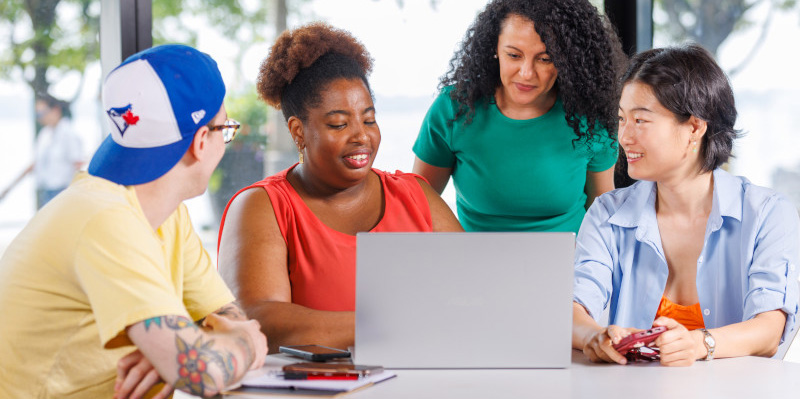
{"x": 287, "y": 243}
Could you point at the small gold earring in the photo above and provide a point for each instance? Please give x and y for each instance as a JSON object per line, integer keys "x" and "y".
{"x": 301, "y": 156}
{"x": 694, "y": 147}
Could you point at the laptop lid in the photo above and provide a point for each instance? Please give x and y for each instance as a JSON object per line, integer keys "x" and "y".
{"x": 464, "y": 300}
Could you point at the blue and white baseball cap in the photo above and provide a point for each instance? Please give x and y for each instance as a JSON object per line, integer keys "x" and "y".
{"x": 155, "y": 101}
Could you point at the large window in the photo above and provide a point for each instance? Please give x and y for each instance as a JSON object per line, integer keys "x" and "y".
{"x": 411, "y": 43}
{"x": 234, "y": 34}
{"x": 754, "y": 43}
{"x": 46, "y": 52}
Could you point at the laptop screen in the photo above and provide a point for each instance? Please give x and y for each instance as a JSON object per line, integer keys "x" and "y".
{"x": 464, "y": 300}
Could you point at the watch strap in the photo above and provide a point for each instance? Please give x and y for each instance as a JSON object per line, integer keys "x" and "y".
{"x": 709, "y": 347}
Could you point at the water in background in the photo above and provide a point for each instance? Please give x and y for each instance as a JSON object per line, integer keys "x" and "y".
{"x": 398, "y": 117}
{"x": 765, "y": 154}
{"x": 411, "y": 46}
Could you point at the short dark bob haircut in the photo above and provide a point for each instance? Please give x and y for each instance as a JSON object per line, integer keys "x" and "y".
{"x": 687, "y": 81}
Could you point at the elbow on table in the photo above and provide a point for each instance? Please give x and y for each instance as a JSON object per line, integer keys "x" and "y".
{"x": 769, "y": 347}
{"x": 770, "y": 350}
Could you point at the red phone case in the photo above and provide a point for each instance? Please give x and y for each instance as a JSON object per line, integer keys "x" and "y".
{"x": 295, "y": 370}
{"x": 638, "y": 339}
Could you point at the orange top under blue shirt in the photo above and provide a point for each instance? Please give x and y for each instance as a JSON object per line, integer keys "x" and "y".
{"x": 690, "y": 316}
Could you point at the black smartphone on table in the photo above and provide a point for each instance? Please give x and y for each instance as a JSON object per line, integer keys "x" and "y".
{"x": 314, "y": 353}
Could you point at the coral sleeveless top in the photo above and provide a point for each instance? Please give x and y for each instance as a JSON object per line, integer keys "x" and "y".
{"x": 690, "y": 316}
{"x": 321, "y": 260}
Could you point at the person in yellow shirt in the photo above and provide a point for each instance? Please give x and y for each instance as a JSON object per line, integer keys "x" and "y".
{"x": 108, "y": 292}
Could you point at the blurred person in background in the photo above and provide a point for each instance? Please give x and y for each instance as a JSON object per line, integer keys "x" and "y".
{"x": 58, "y": 151}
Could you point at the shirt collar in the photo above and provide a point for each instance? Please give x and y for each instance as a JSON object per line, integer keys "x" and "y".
{"x": 638, "y": 210}
{"x": 641, "y": 198}
{"x": 728, "y": 194}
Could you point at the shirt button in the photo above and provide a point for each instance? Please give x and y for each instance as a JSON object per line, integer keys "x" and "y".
{"x": 707, "y": 312}
{"x": 700, "y": 259}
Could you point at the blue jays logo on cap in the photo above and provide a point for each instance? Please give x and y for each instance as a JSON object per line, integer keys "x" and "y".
{"x": 156, "y": 100}
{"x": 122, "y": 117}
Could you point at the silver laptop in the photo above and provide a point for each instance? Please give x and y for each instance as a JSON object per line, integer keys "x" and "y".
{"x": 464, "y": 300}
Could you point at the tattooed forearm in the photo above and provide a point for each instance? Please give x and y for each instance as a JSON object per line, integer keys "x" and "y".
{"x": 171, "y": 322}
{"x": 230, "y": 369}
{"x": 247, "y": 349}
{"x": 204, "y": 360}
{"x": 179, "y": 322}
{"x": 193, "y": 366}
{"x": 227, "y": 364}
{"x": 152, "y": 321}
{"x": 232, "y": 311}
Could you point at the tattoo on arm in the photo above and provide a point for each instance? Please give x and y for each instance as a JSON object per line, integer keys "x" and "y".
{"x": 152, "y": 321}
{"x": 179, "y": 322}
{"x": 232, "y": 311}
{"x": 171, "y": 322}
{"x": 193, "y": 360}
{"x": 247, "y": 349}
{"x": 193, "y": 363}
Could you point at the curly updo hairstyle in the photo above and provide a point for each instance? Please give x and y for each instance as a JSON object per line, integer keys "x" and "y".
{"x": 687, "y": 81}
{"x": 303, "y": 61}
{"x": 584, "y": 48}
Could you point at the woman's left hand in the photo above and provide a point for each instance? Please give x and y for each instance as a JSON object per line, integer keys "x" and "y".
{"x": 678, "y": 346}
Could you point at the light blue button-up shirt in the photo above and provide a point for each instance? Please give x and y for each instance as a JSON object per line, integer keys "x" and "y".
{"x": 748, "y": 264}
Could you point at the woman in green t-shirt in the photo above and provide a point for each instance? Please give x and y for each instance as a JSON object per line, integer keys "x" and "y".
{"x": 526, "y": 119}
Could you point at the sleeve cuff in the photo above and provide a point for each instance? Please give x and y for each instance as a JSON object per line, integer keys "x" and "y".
{"x": 211, "y": 306}
{"x": 592, "y": 301}
{"x": 765, "y": 300}
{"x": 116, "y": 336}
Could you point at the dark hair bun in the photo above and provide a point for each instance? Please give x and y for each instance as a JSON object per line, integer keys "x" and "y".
{"x": 297, "y": 49}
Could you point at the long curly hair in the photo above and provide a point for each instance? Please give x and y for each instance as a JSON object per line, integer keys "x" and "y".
{"x": 301, "y": 63}
{"x": 583, "y": 45}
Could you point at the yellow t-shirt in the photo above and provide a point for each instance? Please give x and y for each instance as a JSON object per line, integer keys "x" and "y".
{"x": 84, "y": 268}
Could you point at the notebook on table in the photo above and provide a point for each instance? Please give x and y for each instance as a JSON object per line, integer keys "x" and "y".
{"x": 276, "y": 384}
{"x": 464, "y": 300}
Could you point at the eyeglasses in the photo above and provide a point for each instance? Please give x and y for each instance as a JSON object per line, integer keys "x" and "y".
{"x": 229, "y": 129}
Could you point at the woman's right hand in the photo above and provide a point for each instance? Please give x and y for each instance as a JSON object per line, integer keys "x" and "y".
{"x": 600, "y": 347}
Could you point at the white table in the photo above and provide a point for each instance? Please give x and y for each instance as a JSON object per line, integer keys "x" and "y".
{"x": 747, "y": 377}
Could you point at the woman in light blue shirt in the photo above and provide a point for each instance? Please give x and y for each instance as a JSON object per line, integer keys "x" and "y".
{"x": 689, "y": 244}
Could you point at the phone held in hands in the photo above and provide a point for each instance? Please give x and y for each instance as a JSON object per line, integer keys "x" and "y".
{"x": 314, "y": 353}
{"x": 635, "y": 346}
{"x": 303, "y": 371}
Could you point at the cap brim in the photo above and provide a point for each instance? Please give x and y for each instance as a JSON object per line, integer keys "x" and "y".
{"x": 131, "y": 166}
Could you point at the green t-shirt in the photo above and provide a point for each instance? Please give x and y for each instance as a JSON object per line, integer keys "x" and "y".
{"x": 513, "y": 175}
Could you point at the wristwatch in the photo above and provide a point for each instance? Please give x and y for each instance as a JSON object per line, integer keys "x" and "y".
{"x": 709, "y": 342}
